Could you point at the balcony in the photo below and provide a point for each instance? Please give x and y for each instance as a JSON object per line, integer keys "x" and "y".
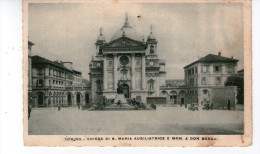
{"x": 41, "y": 87}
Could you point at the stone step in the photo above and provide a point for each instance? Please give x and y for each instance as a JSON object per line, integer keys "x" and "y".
{"x": 124, "y": 106}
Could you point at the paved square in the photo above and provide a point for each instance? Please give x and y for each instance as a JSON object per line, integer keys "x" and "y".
{"x": 163, "y": 121}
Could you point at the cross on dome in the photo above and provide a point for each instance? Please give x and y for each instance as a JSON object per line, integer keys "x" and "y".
{"x": 151, "y": 28}
{"x": 101, "y": 30}
{"x": 126, "y": 25}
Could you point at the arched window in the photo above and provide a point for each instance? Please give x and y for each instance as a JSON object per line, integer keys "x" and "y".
{"x": 41, "y": 99}
{"x": 40, "y": 83}
{"x": 203, "y": 81}
{"x": 151, "y": 49}
{"x": 218, "y": 80}
{"x": 151, "y": 84}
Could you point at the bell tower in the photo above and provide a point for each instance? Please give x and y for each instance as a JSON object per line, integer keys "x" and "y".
{"x": 151, "y": 43}
{"x": 100, "y": 42}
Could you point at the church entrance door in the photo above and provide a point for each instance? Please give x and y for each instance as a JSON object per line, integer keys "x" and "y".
{"x": 126, "y": 92}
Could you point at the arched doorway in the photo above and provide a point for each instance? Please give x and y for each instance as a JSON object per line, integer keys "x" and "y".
{"x": 125, "y": 88}
{"x": 87, "y": 98}
{"x": 228, "y": 105}
{"x": 40, "y": 99}
{"x": 173, "y": 97}
{"x": 78, "y": 98}
{"x": 69, "y": 98}
{"x": 206, "y": 97}
{"x": 182, "y": 95}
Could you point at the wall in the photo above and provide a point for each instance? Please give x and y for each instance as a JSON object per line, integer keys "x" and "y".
{"x": 220, "y": 97}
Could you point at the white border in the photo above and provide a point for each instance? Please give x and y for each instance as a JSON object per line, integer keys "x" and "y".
{"x": 11, "y": 123}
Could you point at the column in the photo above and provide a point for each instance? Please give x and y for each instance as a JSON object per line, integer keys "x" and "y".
{"x": 143, "y": 72}
{"x": 133, "y": 71}
{"x": 46, "y": 75}
{"x": 157, "y": 93}
{"x": 105, "y": 72}
{"x": 115, "y": 71}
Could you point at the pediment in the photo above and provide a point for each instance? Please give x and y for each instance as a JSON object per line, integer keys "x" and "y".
{"x": 124, "y": 43}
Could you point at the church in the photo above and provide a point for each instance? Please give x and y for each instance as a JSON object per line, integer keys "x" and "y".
{"x": 129, "y": 61}
{"x": 133, "y": 64}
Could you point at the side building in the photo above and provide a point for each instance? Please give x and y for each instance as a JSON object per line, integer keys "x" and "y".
{"x": 56, "y": 83}
{"x": 205, "y": 81}
{"x": 173, "y": 93}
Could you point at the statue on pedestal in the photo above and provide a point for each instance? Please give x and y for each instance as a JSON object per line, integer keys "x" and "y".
{"x": 120, "y": 87}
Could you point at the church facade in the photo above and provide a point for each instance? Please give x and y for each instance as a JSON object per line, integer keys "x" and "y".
{"x": 129, "y": 61}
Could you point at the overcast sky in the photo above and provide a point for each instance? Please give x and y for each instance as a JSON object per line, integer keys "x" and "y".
{"x": 68, "y": 32}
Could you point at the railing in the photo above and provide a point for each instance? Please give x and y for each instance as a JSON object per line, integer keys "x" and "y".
{"x": 47, "y": 87}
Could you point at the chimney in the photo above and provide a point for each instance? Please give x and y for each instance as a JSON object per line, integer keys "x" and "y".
{"x": 231, "y": 57}
{"x": 219, "y": 53}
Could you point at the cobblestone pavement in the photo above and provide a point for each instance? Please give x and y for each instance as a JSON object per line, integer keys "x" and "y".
{"x": 163, "y": 121}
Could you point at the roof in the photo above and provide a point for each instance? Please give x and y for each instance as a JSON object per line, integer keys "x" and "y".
{"x": 40, "y": 60}
{"x": 84, "y": 83}
{"x": 30, "y": 43}
{"x": 240, "y": 71}
{"x": 174, "y": 83}
{"x": 162, "y": 61}
{"x": 210, "y": 58}
{"x": 124, "y": 44}
{"x": 77, "y": 72}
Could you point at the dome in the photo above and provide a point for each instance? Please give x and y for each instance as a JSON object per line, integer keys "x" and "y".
{"x": 101, "y": 38}
{"x": 127, "y": 31}
{"x": 151, "y": 37}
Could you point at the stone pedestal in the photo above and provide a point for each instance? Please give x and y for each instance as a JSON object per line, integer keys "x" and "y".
{"x": 120, "y": 97}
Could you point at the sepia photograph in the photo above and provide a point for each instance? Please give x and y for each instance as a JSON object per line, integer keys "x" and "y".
{"x": 144, "y": 71}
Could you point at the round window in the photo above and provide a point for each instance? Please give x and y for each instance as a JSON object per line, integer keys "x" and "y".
{"x": 124, "y": 60}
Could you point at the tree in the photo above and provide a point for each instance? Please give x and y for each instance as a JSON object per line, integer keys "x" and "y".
{"x": 239, "y": 82}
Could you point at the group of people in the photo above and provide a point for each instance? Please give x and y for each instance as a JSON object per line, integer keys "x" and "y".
{"x": 136, "y": 103}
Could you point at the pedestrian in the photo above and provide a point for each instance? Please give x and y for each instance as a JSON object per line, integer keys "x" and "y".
{"x": 185, "y": 105}
{"x": 104, "y": 102}
{"x": 29, "y": 110}
{"x": 59, "y": 107}
{"x": 78, "y": 105}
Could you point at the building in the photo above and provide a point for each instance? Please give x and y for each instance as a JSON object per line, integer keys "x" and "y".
{"x": 30, "y": 44}
{"x": 55, "y": 82}
{"x": 127, "y": 60}
{"x": 173, "y": 93}
{"x": 205, "y": 81}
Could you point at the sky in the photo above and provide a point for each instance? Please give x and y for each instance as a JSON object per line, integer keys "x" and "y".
{"x": 184, "y": 31}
